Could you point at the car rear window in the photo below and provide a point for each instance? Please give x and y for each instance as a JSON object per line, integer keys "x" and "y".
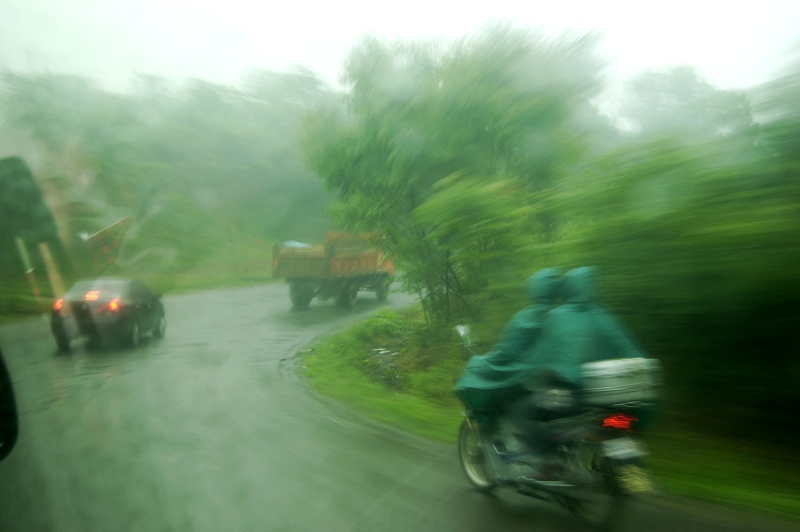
{"x": 102, "y": 289}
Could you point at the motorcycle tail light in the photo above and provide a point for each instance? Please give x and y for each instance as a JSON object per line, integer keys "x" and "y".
{"x": 619, "y": 421}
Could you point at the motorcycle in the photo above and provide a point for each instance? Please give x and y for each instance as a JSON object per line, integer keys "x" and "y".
{"x": 599, "y": 447}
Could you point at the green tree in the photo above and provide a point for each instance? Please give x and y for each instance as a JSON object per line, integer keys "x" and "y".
{"x": 701, "y": 257}
{"x": 679, "y": 99}
{"x": 23, "y": 215}
{"x": 427, "y": 129}
{"x": 778, "y": 106}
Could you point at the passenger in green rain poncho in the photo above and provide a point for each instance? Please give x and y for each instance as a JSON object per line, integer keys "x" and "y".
{"x": 491, "y": 381}
{"x": 576, "y": 332}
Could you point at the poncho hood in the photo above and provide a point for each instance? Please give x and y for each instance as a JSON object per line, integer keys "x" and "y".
{"x": 578, "y": 285}
{"x": 544, "y": 286}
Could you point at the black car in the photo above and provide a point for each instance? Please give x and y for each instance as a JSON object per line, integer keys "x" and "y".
{"x": 101, "y": 309}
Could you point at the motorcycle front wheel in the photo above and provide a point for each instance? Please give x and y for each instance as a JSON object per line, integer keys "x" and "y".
{"x": 473, "y": 458}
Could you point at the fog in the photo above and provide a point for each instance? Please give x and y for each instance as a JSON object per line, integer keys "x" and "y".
{"x": 732, "y": 47}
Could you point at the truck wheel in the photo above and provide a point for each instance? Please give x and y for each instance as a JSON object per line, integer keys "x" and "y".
{"x": 348, "y": 296}
{"x": 300, "y": 295}
{"x": 383, "y": 289}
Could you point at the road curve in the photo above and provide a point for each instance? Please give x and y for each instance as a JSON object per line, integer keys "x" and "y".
{"x": 210, "y": 430}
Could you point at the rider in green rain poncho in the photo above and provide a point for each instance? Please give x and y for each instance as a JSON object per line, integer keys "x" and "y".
{"x": 493, "y": 380}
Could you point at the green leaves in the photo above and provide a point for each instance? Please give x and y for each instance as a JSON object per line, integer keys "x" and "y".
{"x": 479, "y": 221}
{"x": 441, "y": 148}
{"x": 697, "y": 248}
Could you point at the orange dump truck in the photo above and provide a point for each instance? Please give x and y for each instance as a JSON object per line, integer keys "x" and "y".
{"x": 339, "y": 268}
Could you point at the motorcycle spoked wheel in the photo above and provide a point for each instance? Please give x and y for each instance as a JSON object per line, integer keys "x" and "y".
{"x": 473, "y": 458}
{"x": 604, "y": 502}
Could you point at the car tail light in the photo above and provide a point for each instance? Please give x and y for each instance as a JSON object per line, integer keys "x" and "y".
{"x": 619, "y": 421}
{"x": 113, "y": 305}
{"x": 92, "y": 295}
{"x": 58, "y": 304}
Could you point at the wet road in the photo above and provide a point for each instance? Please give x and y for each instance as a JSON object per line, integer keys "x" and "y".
{"x": 210, "y": 430}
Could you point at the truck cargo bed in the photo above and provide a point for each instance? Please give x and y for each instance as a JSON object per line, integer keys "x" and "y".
{"x": 312, "y": 263}
{"x": 339, "y": 268}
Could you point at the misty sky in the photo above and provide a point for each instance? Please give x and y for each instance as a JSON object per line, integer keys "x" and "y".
{"x": 733, "y": 44}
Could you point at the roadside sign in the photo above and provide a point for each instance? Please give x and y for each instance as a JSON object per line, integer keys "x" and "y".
{"x": 104, "y": 245}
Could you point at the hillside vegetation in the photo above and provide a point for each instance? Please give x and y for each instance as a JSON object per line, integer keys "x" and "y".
{"x": 202, "y": 169}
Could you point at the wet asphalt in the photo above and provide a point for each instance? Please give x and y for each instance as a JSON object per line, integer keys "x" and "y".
{"x": 210, "y": 429}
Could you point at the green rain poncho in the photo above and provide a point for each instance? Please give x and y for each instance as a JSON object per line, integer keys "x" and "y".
{"x": 576, "y": 332}
{"x": 493, "y": 379}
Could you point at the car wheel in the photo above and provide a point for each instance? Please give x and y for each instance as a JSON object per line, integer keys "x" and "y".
{"x": 62, "y": 342}
{"x": 161, "y": 327}
{"x": 135, "y": 335}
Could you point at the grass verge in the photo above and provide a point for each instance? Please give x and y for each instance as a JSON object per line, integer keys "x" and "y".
{"x": 705, "y": 466}
{"x": 338, "y": 367}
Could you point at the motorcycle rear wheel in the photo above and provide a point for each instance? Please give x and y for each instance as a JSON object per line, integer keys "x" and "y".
{"x": 604, "y": 504}
{"x": 473, "y": 457}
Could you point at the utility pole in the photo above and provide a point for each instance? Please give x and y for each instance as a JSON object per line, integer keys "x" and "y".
{"x": 26, "y": 263}
{"x": 52, "y": 270}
